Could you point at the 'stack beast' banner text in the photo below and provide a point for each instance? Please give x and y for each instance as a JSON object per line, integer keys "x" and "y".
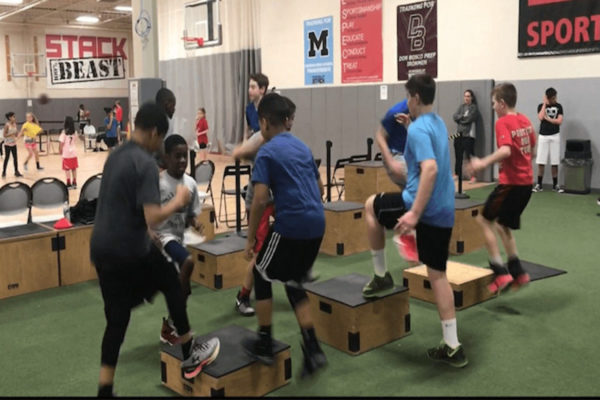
{"x": 553, "y": 27}
{"x": 86, "y": 61}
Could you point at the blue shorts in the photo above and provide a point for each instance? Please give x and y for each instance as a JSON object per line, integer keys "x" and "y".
{"x": 177, "y": 252}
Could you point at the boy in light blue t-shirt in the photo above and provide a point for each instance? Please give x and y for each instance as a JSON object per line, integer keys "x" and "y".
{"x": 426, "y": 205}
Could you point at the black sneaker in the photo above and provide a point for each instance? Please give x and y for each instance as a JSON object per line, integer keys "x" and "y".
{"x": 313, "y": 360}
{"x": 379, "y": 286}
{"x": 454, "y": 357}
{"x": 4, "y": 174}
{"x": 18, "y": 174}
{"x": 242, "y": 306}
{"x": 260, "y": 349}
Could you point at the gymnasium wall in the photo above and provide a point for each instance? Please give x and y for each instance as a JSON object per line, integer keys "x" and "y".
{"x": 349, "y": 115}
{"x": 21, "y": 41}
{"x": 581, "y": 104}
{"x": 58, "y": 108}
{"x": 476, "y": 40}
{"x": 215, "y": 78}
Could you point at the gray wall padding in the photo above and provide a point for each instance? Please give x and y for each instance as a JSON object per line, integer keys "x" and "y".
{"x": 349, "y": 115}
{"x": 219, "y": 83}
{"x": 58, "y": 108}
{"x": 581, "y": 103}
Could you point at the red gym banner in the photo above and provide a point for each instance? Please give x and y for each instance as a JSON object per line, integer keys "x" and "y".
{"x": 558, "y": 27}
{"x": 417, "y": 39}
{"x": 362, "y": 42}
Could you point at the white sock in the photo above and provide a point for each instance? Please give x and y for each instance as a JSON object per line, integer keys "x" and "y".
{"x": 449, "y": 332}
{"x": 497, "y": 261}
{"x": 379, "y": 262}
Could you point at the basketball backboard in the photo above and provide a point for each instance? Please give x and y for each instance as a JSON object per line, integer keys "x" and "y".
{"x": 24, "y": 65}
{"x": 202, "y": 24}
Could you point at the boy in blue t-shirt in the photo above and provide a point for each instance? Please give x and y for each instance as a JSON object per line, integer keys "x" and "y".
{"x": 427, "y": 205}
{"x": 111, "y": 124}
{"x": 285, "y": 165}
{"x": 257, "y": 87}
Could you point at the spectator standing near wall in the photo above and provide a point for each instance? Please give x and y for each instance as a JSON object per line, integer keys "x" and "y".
{"x": 465, "y": 118}
{"x": 550, "y": 114}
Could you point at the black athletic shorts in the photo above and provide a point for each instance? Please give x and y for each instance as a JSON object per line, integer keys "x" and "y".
{"x": 388, "y": 208}
{"x": 506, "y": 204}
{"x": 284, "y": 259}
{"x": 433, "y": 242}
{"x": 202, "y": 145}
{"x": 110, "y": 141}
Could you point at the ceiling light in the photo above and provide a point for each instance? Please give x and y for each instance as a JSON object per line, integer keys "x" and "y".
{"x": 123, "y": 8}
{"x": 89, "y": 19}
{"x": 11, "y": 2}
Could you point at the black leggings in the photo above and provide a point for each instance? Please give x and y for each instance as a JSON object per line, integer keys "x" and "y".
{"x": 125, "y": 285}
{"x": 9, "y": 150}
{"x": 463, "y": 146}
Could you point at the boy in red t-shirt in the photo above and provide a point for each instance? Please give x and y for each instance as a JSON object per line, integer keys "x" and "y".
{"x": 515, "y": 138}
{"x": 202, "y": 131}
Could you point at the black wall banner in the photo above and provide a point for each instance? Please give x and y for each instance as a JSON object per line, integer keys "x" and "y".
{"x": 557, "y": 27}
{"x": 416, "y": 28}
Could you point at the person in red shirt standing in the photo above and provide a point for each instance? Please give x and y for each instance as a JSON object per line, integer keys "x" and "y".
{"x": 202, "y": 131}
{"x": 119, "y": 118}
{"x": 515, "y": 139}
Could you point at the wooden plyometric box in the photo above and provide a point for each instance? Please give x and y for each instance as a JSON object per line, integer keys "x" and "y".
{"x": 469, "y": 283}
{"x": 207, "y": 219}
{"x": 467, "y": 234}
{"x": 74, "y": 251}
{"x": 28, "y": 259}
{"x": 233, "y": 374}
{"x": 220, "y": 263}
{"x": 345, "y": 229}
{"x": 347, "y": 321}
{"x": 365, "y": 179}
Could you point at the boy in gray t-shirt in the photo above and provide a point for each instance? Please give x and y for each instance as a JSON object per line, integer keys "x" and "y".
{"x": 170, "y": 232}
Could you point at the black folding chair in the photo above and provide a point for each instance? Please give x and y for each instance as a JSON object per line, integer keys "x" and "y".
{"x": 337, "y": 181}
{"x": 15, "y": 198}
{"x": 230, "y": 172}
{"x": 49, "y": 193}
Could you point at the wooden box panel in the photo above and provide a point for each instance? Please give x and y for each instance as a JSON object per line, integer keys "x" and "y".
{"x": 467, "y": 235}
{"x": 469, "y": 283}
{"x": 207, "y": 218}
{"x": 365, "y": 179}
{"x": 350, "y": 323}
{"x": 28, "y": 260}
{"x": 345, "y": 229}
{"x": 75, "y": 263}
{"x": 220, "y": 263}
{"x": 233, "y": 373}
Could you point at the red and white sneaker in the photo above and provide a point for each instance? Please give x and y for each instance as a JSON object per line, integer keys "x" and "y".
{"x": 168, "y": 333}
{"x": 407, "y": 247}
{"x": 500, "y": 282}
{"x": 521, "y": 280}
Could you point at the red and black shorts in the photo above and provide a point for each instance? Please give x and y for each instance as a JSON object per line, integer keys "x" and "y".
{"x": 506, "y": 204}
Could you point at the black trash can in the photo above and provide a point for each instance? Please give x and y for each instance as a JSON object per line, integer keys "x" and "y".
{"x": 577, "y": 166}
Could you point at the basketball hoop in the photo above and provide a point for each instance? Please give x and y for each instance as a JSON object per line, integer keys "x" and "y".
{"x": 198, "y": 41}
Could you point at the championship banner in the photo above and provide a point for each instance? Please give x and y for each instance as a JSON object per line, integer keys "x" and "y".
{"x": 76, "y": 62}
{"x": 318, "y": 51}
{"x": 558, "y": 27}
{"x": 417, "y": 39}
{"x": 362, "y": 41}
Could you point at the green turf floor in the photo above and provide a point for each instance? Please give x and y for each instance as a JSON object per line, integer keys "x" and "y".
{"x": 540, "y": 341}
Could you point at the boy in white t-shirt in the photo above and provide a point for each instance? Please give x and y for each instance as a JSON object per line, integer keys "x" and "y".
{"x": 170, "y": 232}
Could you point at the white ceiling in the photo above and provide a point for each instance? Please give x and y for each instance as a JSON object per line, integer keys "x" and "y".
{"x": 63, "y": 13}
